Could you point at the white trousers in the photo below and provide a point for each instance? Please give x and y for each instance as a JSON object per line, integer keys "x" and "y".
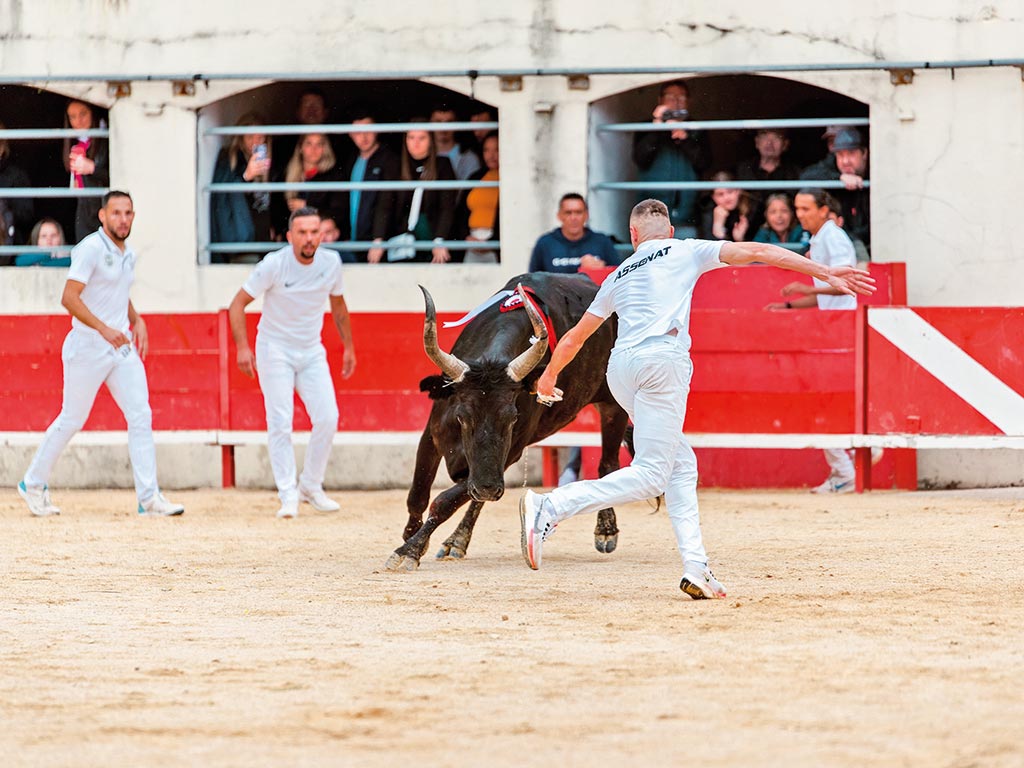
{"x": 651, "y": 382}
{"x": 840, "y": 463}
{"x": 282, "y": 372}
{"x": 89, "y": 362}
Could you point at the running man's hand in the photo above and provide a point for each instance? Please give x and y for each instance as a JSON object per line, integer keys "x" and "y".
{"x": 246, "y": 362}
{"x": 851, "y": 281}
{"x": 348, "y": 362}
{"x": 115, "y": 338}
{"x": 141, "y": 335}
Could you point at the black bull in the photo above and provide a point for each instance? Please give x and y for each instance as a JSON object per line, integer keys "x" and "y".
{"x": 485, "y": 413}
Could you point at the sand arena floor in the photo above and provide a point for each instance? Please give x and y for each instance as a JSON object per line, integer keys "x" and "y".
{"x": 885, "y": 630}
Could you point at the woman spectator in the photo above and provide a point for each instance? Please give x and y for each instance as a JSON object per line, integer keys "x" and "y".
{"x": 727, "y": 218}
{"x": 420, "y": 162}
{"x": 47, "y": 233}
{"x": 87, "y": 161}
{"x": 780, "y": 225}
{"x": 314, "y": 160}
{"x": 242, "y": 216}
{"x": 482, "y": 204}
{"x": 15, "y": 212}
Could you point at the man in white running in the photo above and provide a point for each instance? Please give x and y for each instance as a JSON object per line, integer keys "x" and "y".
{"x": 296, "y": 283}
{"x": 649, "y": 374}
{"x": 100, "y": 350}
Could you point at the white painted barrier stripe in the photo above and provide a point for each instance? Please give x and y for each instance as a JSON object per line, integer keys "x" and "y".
{"x": 965, "y": 377}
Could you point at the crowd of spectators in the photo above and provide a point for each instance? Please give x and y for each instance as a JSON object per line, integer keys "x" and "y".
{"x": 385, "y": 220}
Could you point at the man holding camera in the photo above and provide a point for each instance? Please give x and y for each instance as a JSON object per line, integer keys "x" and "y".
{"x": 678, "y": 155}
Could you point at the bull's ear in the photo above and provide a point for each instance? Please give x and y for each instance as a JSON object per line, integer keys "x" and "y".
{"x": 438, "y": 387}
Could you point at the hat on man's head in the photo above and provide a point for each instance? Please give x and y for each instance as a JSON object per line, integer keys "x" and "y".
{"x": 832, "y": 130}
{"x": 847, "y": 138}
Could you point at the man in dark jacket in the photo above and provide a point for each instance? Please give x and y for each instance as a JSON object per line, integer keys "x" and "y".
{"x": 678, "y": 155}
{"x": 374, "y": 162}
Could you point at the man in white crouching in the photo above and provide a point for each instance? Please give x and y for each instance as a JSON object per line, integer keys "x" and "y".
{"x": 296, "y": 283}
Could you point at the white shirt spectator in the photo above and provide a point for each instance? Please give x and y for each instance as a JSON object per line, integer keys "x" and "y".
{"x": 832, "y": 247}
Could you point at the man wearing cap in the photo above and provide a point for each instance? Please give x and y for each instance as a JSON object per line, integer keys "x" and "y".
{"x": 850, "y": 166}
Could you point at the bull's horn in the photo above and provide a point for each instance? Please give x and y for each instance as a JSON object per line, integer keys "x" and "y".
{"x": 450, "y": 365}
{"x": 527, "y": 361}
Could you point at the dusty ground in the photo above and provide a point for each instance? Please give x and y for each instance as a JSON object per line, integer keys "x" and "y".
{"x": 886, "y": 630}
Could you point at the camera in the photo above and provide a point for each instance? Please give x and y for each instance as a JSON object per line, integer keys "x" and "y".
{"x": 675, "y": 114}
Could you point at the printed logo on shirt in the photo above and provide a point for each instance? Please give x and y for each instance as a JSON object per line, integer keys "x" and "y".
{"x": 566, "y": 261}
{"x": 637, "y": 264}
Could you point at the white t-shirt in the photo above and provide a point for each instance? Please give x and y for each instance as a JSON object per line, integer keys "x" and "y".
{"x": 651, "y": 290}
{"x": 832, "y": 247}
{"x": 295, "y": 295}
{"x": 108, "y": 275}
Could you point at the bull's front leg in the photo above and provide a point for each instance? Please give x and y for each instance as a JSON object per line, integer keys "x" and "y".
{"x": 427, "y": 461}
{"x": 457, "y": 544}
{"x": 613, "y": 426}
{"x": 407, "y": 557}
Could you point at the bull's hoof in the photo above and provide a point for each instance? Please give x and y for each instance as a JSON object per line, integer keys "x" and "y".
{"x": 606, "y": 544}
{"x": 399, "y": 563}
{"x": 450, "y": 550}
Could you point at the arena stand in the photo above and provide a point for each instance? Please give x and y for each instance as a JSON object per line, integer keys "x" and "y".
{"x": 770, "y": 389}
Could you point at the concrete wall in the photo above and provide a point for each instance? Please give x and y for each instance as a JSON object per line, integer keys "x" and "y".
{"x": 946, "y": 151}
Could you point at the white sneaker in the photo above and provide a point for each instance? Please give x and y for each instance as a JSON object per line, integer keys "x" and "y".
{"x": 38, "y": 500}
{"x": 836, "y": 484}
{"x": 536, "y": 525}
{"x": 288, "y": 510}
{"x": 318, "y": 500}
{"x": 700, "y": 583}
{"x": 159, "y": 506}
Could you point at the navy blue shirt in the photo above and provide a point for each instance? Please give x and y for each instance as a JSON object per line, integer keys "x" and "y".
{"x": 556, "y": 253}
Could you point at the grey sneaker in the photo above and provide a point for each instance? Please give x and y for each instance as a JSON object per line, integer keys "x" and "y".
{"x": 536, "y": 525}
{"x": 38, "y": 500}
{"x": 700, "y": 583}
{"x": 159, "y": 506}
{"x": 318, "y": 500}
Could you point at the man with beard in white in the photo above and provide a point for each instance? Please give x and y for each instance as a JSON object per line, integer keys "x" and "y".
{"x": 296, "y": 283}
{"x": 100, "y": 350}
{"x": 649, "y": 375}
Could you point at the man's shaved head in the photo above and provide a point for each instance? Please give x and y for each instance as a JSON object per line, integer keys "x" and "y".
{"x": 650, "y": 220}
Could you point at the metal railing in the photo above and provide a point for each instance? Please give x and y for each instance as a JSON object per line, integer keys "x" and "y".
{"x": 356, "y": 246}
{"x": 342, "y": 128}
{"x": 725, "y": 125}
{"x": 707, "y": 186}
{"x": 25, "y": 134}
{"x": 344, "y": 186}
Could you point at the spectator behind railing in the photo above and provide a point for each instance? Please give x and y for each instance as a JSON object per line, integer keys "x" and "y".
{"x": 851, "y": 168}
{"x": 679, "y": 155}
{"x": 481, "y": 205}
{"x": 15, "y": 212}
{"x": 310, "y": 109}
{"x": 419, "y": 162}
{"x": 87, "y": 160}
{"x": 242, "y": 216}
{"x": 312, "y": 160}
{"x": 769, "y": 165}
{"x": 780, "y": 225}
{"x": 727, "y": 217}
{"x": 330, "y": 233}
{"x": 47, "y": 233}
{"x": 464, "y": 160}
{"x": 374, "y": 162}
{"x": 481, "y": 113}
{"x": 573, "y": 245}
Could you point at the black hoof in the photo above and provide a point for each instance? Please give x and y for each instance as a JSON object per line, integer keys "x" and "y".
{"x": 606, "y": 544}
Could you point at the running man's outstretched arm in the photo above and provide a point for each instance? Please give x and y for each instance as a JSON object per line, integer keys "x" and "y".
{"x": 568, "y": 347}
{"x": 848, "y": 280}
